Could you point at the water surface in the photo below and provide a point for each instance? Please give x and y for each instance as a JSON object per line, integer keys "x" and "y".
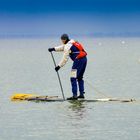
{"x": 113, "y": 70}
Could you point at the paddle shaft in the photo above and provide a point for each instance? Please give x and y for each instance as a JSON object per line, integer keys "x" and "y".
{"x": 58, "y": 77}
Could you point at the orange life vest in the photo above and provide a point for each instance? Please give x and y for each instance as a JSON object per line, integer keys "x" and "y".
{"x": 82, "y": 52}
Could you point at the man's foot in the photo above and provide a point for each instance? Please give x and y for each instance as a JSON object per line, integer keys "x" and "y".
{"x": 81, "y": 97}
{"x": 72, "y": 98}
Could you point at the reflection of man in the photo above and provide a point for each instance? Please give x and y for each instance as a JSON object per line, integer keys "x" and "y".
{"x": 76, "y": 52}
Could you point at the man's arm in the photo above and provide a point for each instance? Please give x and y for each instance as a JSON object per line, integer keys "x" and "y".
{"x": 59, "y": 48}
{"x": 65, "y": 56}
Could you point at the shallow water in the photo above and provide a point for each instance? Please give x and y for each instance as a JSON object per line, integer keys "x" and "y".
{"x": 113, "y": 71}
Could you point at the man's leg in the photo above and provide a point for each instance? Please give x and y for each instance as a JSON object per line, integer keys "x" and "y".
{"x": 80, "y": 73}
{"x": 74, "y": 86}
{"x": 81, "y": 86}
{"x": 73, "y": 80}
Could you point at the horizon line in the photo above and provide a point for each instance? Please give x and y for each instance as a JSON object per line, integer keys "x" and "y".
{"x": 96, "y": 34}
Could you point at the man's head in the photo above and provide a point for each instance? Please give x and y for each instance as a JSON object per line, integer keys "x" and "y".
{"x": 64, "y": 38}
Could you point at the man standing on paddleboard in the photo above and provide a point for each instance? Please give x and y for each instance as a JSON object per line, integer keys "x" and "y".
{"x": 76, "y": 52}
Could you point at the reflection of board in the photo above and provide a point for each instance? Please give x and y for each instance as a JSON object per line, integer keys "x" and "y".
{"x": 31, "y": 97}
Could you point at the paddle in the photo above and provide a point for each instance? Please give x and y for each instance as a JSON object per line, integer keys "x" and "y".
{"x": 58, "y": 77}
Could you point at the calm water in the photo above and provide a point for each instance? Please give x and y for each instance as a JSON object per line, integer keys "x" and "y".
{"x": 113, "y": 69}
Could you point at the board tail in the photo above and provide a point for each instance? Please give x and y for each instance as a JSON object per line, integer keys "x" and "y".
{"x": 21, "y": 96}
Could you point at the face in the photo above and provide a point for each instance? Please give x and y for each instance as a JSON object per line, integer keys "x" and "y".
{"x": 63, "y": 41}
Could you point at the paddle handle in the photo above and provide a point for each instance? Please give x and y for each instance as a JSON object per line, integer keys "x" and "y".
{"x": 58, "y": 77}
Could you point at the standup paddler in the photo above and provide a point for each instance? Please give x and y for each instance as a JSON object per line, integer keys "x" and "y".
{"x": 76, "y": 52}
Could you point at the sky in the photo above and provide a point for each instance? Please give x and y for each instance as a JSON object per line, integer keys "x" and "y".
{"x": 76, "y": 17}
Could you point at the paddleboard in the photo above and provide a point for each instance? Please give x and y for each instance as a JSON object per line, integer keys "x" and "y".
{"x": 33, "y": 97}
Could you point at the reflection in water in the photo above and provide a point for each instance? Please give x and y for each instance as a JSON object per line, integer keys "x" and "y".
{"x": 78, "y": 123}
{"x": 78, "y": 108}
{"x": 76, "y": 105}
